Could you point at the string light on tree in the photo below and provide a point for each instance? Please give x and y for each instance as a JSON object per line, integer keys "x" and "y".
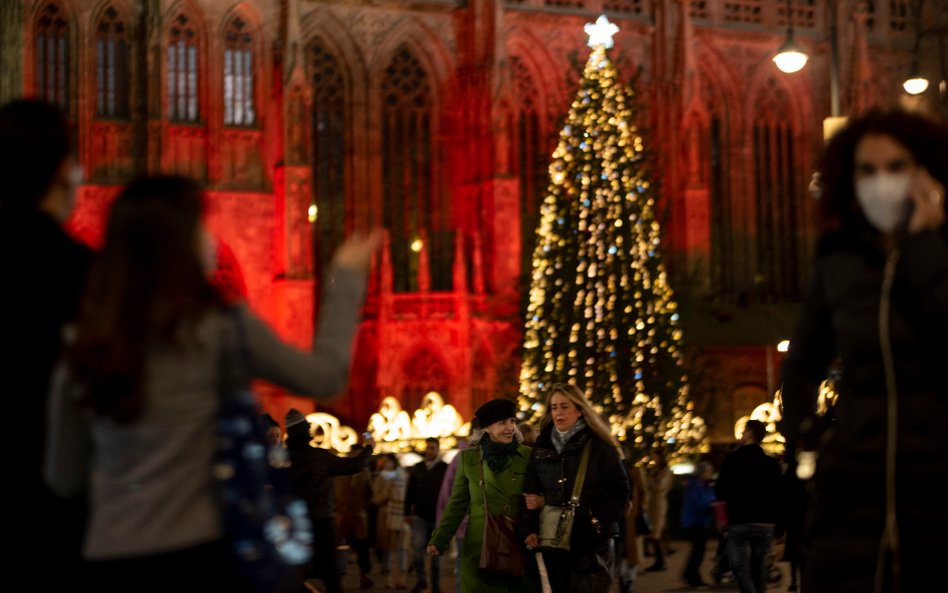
{"x": 601, "y": 313}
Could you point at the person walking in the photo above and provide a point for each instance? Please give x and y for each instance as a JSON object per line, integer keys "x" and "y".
{"x": 313, "y": 470}
{"x": 630, "y": 552}
{"x": 421, "y": 500}
{"x": 490, "y": 473}
{"x": 134, "y": 407}
{"x": 749, "y": 484}
{"x": 353, "y": 493}
{"x": 659, "y": 482}
{"x": 570, "y": 427}
{"x": 389, "y": 496}
{"x": 696, "y": 519}
{"x": 444, "y": 496}
{"x": 44, "y": 271}
{"x": 877, "y": 307}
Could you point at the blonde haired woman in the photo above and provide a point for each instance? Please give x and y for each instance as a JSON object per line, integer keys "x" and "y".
{"x": 570, "y": 426}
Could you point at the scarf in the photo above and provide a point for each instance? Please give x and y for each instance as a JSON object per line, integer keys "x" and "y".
{"x": 561, "y": 438}
{"x": 497, "y": 455}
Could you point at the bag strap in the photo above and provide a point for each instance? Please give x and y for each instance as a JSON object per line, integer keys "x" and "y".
{"x": 581, "y": 474}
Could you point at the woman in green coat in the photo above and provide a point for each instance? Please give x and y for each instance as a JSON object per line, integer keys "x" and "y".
{"x": 496, "y": 451}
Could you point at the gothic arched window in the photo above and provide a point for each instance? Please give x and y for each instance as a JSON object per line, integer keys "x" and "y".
{"x": 778, "y": 266}
{"x": 413, "y": 213}
{"x": 238, "y": 75}
{"x": 329, "y": 150}
{"x": 111, "y": 66}
{"x": 531, "y": 157}
{"x": 183, "y": 104}
{"x": 52, "y": 55}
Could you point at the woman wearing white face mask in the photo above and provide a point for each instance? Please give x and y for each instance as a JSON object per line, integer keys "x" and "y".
{"x": 877, "y": 307}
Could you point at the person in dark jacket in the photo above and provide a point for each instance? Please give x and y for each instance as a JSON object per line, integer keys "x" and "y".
{"x": 43, "y": 271}
{"x": 421, "y": 507}
{"x": 312, "y": 469}
{"x": 749, "y": 484}
{"x": 878, "y": 306}
{"x": 569, "y": 425}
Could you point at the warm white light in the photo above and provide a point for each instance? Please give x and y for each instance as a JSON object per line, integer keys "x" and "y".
{"x": 601, "y": 32}
{"x": 915, "y": 85}
{"x": 312, "y": 212}
{"x": 790, "y": 61}
{"x": 417, "y": 245}
{"x": 790, "y": 57}
{"x": 783, "y": 346}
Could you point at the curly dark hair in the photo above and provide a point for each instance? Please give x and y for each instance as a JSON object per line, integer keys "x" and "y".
{"x": 924, "y": 137}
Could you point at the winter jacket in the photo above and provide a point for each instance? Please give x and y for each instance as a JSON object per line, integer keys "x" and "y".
{"x": 750, "y": 483}
{"x": 313, "y": 469}
{"x": 840, "y": 318}
{"x": 605, "y": 494}
{"x": 504, "y": 497}
{"x": 696, "y": 503}
{"x": 424, "y": 485}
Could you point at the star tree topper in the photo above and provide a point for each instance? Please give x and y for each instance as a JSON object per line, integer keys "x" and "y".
{"x": 601, "y": 32}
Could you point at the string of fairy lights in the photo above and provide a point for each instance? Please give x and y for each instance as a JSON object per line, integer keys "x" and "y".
{"x": 601, "y": 314}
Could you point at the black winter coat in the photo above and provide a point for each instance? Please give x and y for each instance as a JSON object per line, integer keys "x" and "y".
{"x": 840, "y": 317}
{"x": 313, "y": 469}
{"x": 750, "y": 483}
{"x": 43, "y": 273}
{"x": 605, "y": 494}
{"x": 424, "y": 486}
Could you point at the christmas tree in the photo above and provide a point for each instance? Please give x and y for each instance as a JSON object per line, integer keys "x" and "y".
{"x": 601, "y": 314}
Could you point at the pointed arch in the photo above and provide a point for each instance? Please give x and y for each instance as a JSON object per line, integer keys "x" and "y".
{"x": 331, "y": 142}
{"x": 411, "y": 191}
{"x": 185, "y": 68}
{"x": 113, "y": 30}
{"x": 709, "y": 127}
{"x": 778, "y": 188}
{"x": 415, "y": 209}
{"x": 545, "y": 70}
{"x": 53, "y": 29}
{"x": 423, "y": 369}
{"x": 423, "y": 43}
{"x": 242, "y": 42}
{"x": 531, "y": 143}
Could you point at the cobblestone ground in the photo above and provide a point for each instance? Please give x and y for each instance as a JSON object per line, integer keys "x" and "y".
{"x": 668, "y": 581}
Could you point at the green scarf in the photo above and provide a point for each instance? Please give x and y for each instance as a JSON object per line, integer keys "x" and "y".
{"x": 497, "y": 455}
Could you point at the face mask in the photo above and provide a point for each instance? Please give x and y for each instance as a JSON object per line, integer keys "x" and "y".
{"x": 884, "y": 199}
{"x": 389, "y": 474}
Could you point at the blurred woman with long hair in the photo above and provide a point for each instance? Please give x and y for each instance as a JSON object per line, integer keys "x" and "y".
{"x": 135, "y": 401}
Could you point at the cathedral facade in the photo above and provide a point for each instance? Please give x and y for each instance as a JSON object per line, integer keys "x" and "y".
{"x": 308, "y": 120}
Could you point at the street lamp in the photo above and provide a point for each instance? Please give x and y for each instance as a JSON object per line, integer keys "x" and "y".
{"x": 790, "y": 57}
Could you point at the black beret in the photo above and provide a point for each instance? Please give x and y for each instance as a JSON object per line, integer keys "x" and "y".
{"x": 494, "y": 411}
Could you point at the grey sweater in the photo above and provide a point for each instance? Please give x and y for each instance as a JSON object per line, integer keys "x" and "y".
{"x": 149, "y": 483}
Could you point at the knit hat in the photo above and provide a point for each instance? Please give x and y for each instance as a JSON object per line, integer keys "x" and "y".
{"x": 268, "y": 421}
{"x": 294, "y": 417}
{"x": 494, "y": 411}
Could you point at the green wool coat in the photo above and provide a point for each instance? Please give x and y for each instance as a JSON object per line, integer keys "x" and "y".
{"x": 504, "y": 497}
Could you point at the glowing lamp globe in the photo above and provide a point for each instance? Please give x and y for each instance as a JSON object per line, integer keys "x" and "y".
{"x": 790, "y": 57}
